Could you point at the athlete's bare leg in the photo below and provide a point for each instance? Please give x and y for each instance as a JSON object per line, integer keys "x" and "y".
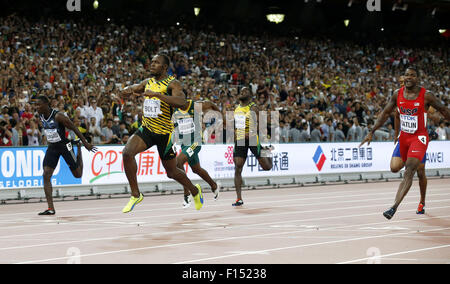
{"x": 198, "y": 170}
{"x": 239, "y": 164}
{"x": 48, "y": 189}
{"x": 411, "y": 165}
{"x": 179, "y": 175}
{"x": 134, "y": 146}
{"x": 181, "y": 160}
{"x": 266, "y": 163}
{"x": 396, "y": 164}
{"x": 78, "y": 172}
{"x": 423, "y": 181}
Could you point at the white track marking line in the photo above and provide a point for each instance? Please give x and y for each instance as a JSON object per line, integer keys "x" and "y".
{"x": 394, "y": 254}
{"x": 217, "y": 219}
{"x": 185, "y": 214}
{"x": 306, "y": 245}
{"x": 367, "y": 192}
{"x": 267, "y": 196}
{"x": 261, "y": 235}
{"x": 227, "y": 239}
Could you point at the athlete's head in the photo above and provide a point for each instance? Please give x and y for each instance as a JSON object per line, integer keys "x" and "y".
{"x": 411, "y": 77}
{"x": 43, "y": 104}
{"x": 159, "y": 65}
{"x": 245, "y": 94}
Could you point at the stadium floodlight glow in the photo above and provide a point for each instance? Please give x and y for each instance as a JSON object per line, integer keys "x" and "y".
{"x": 196, "y": 11}
{"x": 346, "y": 22}
{"x": 95, "y": 4}
{"x": 441, "y": 31}
{"x": 275, "y": 18}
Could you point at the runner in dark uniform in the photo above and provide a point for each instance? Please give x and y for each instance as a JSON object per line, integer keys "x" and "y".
{"x": 54, "y": 124}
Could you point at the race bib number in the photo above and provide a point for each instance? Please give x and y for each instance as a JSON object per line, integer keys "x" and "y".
{"x": 52, "y": 135}
{"x": 240, "y": 121}
{"x": 423, "y": 139}
{"x": 69, "y": 146}
{"x": 186, "y": 126}
{"x": 152, "y": 108}
{"x": 408, "y": 123}
{"x": 190, "y": 152}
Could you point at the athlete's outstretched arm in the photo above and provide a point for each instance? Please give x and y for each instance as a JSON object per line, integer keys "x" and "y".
{"x": 382, "y": 118}
{"x": 136, "y": 88}
{"x": 178, "y": 99}
{"x": 61, "y": 118}
{"x": 207, "y": 105}
{"x": 433, "y": 101}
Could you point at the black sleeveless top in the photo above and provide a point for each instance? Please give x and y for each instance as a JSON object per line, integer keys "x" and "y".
{"x": 55, "y": 132}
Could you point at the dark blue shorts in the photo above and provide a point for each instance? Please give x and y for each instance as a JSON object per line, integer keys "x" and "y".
{"x": 397, "y": 153}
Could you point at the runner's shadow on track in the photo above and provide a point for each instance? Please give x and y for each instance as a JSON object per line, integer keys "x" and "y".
{"x": 253, "y": 211}
{"x": 435, "y": 221}
{"x": 77, "y": 219}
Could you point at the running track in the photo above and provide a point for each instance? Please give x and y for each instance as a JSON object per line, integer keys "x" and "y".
{"x": 316, "y": 224}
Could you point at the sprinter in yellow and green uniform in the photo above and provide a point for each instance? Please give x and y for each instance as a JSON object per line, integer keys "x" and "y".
{"x": 188, "y": 129}
{"x": 245, "y": 125}
{"x": 162, "y": 93}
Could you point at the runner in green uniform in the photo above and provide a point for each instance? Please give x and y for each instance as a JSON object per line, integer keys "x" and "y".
{"x": 188, "y": 127}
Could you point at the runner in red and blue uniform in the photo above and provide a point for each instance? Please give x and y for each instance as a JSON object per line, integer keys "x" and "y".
{"x": 412, "y": 103}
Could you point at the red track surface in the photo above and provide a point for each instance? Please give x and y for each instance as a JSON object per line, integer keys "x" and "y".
{"x": 318, "y": 224}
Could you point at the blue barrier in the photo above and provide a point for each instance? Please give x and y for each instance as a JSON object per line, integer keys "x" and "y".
{"x": 22, "y": 167}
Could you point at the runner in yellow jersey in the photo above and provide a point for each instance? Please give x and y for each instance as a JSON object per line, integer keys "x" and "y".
{"x": 162, "y": 94}
{"x": 245, "y": 122}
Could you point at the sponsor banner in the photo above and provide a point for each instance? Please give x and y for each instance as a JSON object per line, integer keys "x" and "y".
{"x": 23, "y": 168}
{"x": 106, "y": 166}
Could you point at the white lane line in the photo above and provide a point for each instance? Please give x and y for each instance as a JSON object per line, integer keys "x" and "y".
{"x": 241, "y": 237}
{"x": 193, "y": 213}
{"x": 216, "y": 219}
{"x": 394, "y": 254}
{"x": 269, "y": 196}
{"x": 306, "y": 245}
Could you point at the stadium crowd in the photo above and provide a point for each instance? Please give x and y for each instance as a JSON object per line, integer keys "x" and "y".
{"x": 324, "y": 90}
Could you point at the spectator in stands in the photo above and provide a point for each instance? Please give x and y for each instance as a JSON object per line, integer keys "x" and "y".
{"x": 95, "y": 131}
{"x": 447, "y": 130}
{"x": 33, "y": 133}
{"x": 441, "y": 132}
{"x": 284, "y": 134}
{"x": 339, "y": 134}
{"x": 316, "y": 135}
{"x": 77, "y": 64}
{"x": 304, "y": 135}
{"x": 294, "y": 133}
{"x": 5, "y": 134}
{"x": 107, "y": 136}
{"x": 95, "y": 111}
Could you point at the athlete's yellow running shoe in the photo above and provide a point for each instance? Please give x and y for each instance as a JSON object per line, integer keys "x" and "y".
{"x": 133, "y": 201}
{"x": 198, "y": 199}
